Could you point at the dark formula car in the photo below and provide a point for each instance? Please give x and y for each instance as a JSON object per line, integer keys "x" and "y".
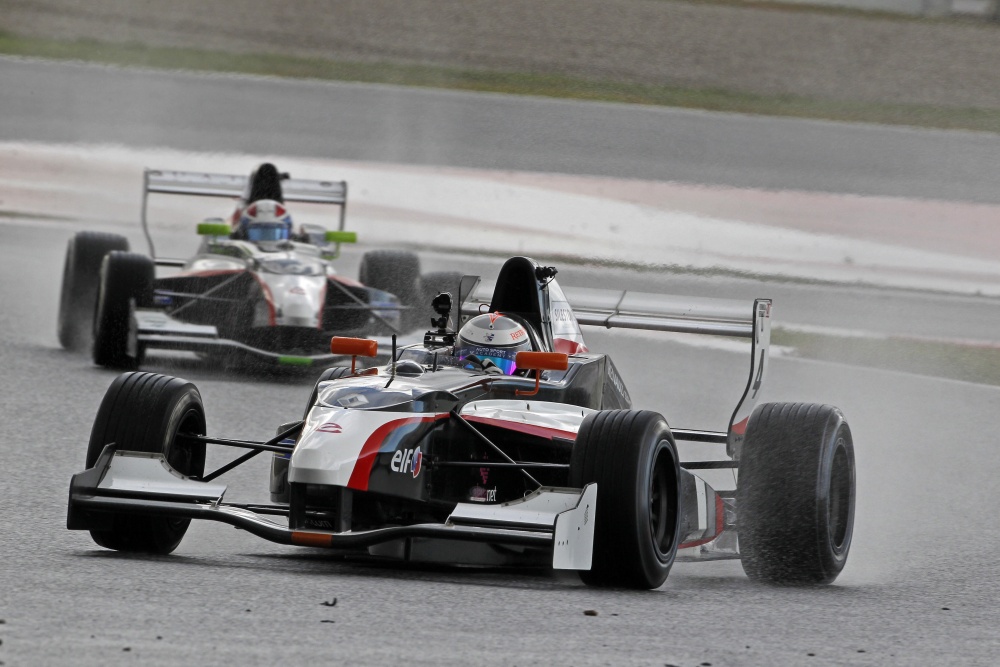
{"x": 257, "y": 288}
{"x": 458, "y": 452}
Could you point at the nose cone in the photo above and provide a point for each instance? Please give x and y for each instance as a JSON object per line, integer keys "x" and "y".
{"x": 298, "y": 299}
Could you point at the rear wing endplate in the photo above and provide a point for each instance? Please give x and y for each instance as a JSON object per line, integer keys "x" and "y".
{"x": 622, "y": 309}
{"x": 199, "y": 184}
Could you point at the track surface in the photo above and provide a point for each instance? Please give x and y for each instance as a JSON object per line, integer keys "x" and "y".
{"x": 924, "y": 538}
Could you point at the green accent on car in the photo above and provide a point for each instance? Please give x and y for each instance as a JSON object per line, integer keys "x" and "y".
{"x": 341, "y": 237}
{"x": 289, "y": 360}
{"x": 213, "y": 229}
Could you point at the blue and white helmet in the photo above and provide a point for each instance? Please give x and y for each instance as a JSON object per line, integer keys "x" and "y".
{"x": 494, "y": 337}
{"x": 265, "y": 220}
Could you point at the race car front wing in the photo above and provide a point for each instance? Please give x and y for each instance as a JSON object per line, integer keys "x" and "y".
{"x": 157, "y": 330}
{"x": 549, "y": 518}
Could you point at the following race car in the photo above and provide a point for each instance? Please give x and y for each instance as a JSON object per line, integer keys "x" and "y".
{"x": 503, "y": 443}
{"x": 258, "y": 288}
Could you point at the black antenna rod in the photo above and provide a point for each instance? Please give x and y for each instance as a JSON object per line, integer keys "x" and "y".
{"x": 392, "y": 363}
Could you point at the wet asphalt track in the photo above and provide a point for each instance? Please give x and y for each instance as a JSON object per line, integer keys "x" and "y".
{"x": 924, "y": 538}
{"x": 920, "y": 586}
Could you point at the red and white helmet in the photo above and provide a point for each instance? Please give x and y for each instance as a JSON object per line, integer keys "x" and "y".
{"x": 494, "y": 337}
{"x": 265, "y": 220}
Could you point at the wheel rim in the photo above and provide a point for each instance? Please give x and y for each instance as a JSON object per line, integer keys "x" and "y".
{"x": 840, "y": 495}
{"x": 183, "y": 454}
{"x": 663, "y": 501}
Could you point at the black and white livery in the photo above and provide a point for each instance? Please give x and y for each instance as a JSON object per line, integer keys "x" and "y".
{"x": 458, "y": 452}
{"x": 259, "y": 287}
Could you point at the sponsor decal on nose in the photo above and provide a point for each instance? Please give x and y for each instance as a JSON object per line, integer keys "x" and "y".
{"x": 418, "y": 459}
{"x": 407, "y": 460}
{"x": 330, "y": 427}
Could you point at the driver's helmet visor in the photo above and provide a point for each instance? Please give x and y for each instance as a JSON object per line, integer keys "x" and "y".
{"x": 266, "y": 231}
{"x": 503, "y": 358}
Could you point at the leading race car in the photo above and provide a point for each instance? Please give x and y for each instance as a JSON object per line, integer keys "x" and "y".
{"x": 506, "y": 442}
{"x": 258, "y": 288}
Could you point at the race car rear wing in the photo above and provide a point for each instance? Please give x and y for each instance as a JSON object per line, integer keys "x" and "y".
{"x": 200, "y": 184}
{"x": 623, "y": 309}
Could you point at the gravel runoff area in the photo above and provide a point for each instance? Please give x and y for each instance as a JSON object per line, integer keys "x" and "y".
{"x": 756, "y": 49}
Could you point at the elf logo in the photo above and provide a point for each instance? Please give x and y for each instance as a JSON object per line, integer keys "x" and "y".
{"x": 329, "y": 427}
{"x": 407, "y": 460}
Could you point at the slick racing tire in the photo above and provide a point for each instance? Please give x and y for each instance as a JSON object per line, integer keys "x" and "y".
{"x": 126, "y": 284}
{"x": 795, "y": 494}
{"x": 147, "y": 412}
{"x": 432, "y": 284}
{"x": 632, "y": 457}
{"x": 81, "y": 276}
{"x": 396, "y": 272}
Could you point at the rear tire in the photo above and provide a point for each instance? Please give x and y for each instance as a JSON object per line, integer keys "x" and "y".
{"x": 632, "y": 457}
{"x": 796, "y": 492}
{"x": 396, "y": 272}
{"x": 126, "y": 283}
{"x": 81, "y": 277}
{"x": 145, "y": 412}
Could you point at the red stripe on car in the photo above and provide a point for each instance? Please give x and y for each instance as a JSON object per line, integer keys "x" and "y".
{"x": 349, "y": 282}
{"x": 366, "y": 459}
{"x": 268, "y": 297}
{"x": 567, "y": 346}
{"x": 521, "y": 427}
{"x": 208, "y": 273}
{"x": 720, "y": 524}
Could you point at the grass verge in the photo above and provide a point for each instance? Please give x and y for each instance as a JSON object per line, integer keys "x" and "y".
{"x": 970, "y": 363}
{"x": 545, "y": 85}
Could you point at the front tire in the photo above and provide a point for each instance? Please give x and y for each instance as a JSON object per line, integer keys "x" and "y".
{"x": 126, "y": 283}
{"x": 147, "y": 412}
{"x": 81, "y": 277}
{"x": 632, "y": 457}
{"x": 796, "y": 493}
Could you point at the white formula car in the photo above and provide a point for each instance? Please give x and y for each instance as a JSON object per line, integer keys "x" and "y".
{"x": 503, "y": 443}
{"x": 258, "y": 289}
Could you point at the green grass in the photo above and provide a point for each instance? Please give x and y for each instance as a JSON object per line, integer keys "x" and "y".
{"x": 24, "y": 215}
{"x": 546, "y": 85}
{"x": 937, "y": 359}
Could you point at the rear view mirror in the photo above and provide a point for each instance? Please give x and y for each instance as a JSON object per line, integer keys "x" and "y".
{"x": 356, "y": 347}
{"x": 540, "y": 361}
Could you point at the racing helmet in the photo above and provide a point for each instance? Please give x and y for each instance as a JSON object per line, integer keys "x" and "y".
{"x": 265, "y": 220}
{"x": 493, "y": 337}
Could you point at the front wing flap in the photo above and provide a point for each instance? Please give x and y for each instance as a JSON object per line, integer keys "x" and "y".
{"x": 157, "y": 330}
{"x": 556, "y": 519}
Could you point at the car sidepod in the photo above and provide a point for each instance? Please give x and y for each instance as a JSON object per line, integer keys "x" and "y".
{"x": 364, "y": 450}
